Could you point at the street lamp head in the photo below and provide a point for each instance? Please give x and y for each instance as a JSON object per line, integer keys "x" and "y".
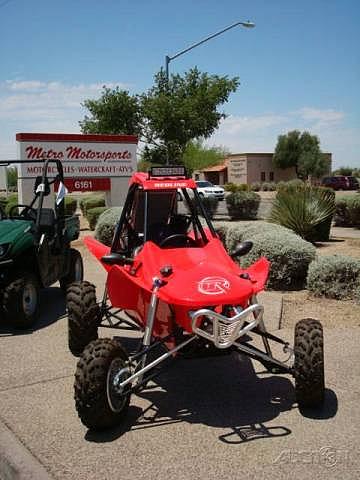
{"x": 248, "y": 24}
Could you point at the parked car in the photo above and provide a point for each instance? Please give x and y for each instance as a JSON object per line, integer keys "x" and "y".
{"x": 338, "y": 182}
{"x": 206, "y": 189}
{"x": 353, "y": 183}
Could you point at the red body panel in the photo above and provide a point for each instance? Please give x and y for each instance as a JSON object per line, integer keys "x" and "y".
{"x": 161, "y": 183}
{"x": 201, "y": 277}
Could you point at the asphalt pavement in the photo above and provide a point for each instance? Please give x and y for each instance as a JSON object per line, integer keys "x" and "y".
{"x": 211, "y": 418}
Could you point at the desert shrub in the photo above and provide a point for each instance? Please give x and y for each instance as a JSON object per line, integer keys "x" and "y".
{"x": 307, "y": 211}
{"x": 268, "y": 186}
{"x": 335, "y": 276}
{"x": 288, "y": 254}
{"x": 243, "y": 205}
{"x": 210, "y": 203}
{"x": 11, "y": 201}
{"x": 280, "y": 185}
{"x": 236, "y": 187}
{"x": 91, "y": 201}
{"x": 255, "y": 187}
{"x": 105, "y": 227}
{"x": 93, "y": 214}
{"x": 347, "y": 211}
{"x": 3, "y": 202}
{"x": 70, "y": 205}
{"x": 230, "y": 187}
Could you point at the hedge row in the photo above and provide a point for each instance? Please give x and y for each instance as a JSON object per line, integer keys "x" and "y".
{"x": 336, "y": 276}
{"x": 347, "y": 212}
{"x": 263, "y": 186}
{"x": 288, "y": 254}
{"x": 243, "y": 205}
{"x": 91, "y": 201}
{"x": 105, "y": 227}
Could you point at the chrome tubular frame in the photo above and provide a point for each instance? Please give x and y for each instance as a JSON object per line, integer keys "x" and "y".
{"x": 224, "y": 331}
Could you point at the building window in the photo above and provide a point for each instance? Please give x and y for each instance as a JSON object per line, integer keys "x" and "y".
{"x": 262, "y": 179}
{"x": 197, "y": 176}
{"x": 271, "y": 176}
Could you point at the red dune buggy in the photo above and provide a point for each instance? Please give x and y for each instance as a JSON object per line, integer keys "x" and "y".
{"x": 170, "y": 277}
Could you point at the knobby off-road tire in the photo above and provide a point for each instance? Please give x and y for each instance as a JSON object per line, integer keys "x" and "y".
{"x": 21, "y": 300}
{"x": 91, "y": 384}
{"x": 309, "y": 363}
{"x": 76, "y": 272}
{"x": 83, "y": 316}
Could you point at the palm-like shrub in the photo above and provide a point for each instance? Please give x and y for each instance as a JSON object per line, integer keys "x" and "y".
{"x": 305, "y": 211}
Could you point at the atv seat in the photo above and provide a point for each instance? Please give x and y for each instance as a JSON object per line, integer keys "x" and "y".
{"x": 47, "y": 221}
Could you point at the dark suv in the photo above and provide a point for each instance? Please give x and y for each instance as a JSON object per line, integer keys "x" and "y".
{"x": 340, "y": 182}
{"x": 353, "y": 183}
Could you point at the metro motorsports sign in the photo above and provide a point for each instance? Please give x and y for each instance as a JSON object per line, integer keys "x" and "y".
{"x": 89, "y": 161}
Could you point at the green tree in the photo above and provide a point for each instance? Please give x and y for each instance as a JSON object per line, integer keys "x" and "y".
{"x": 12, "y": 177}
{"x": 182, "y": 109}
{"x": 347, "y": 171}
{"x": 302, "y": 151}
{"x": 198, "y": 156}
{"x": 115, "y": 112}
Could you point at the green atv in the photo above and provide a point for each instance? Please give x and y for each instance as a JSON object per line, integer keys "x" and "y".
{"x": 35, "y": 251}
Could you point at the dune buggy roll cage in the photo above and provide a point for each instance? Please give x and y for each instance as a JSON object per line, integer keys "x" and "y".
{"x": 222, "y": 331}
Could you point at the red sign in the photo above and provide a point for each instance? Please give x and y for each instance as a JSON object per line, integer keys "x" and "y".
{"x": 86, "y": 184}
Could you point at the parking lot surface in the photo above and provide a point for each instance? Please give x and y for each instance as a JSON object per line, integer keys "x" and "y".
{"x": 213, "y": 418}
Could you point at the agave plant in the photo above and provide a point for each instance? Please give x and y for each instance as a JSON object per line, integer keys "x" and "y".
{"x": 305, "y": 211}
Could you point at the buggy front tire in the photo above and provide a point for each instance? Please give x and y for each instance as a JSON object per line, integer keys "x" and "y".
{"x": 76, "y": 270}
{"x": 21, "y": 301}
{"x": 83, "y": 316}
{"x": 93, "y": 373}
{"x": 309, "y": 363}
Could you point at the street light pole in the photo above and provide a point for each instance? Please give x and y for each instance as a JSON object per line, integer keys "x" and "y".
{"x": 168, "y": 58}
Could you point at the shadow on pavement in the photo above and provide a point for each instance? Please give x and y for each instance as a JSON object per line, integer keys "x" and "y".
{"x": 52, "y": 307}
{"x": 328, "y": 410}
{"x": 223, "y": 392}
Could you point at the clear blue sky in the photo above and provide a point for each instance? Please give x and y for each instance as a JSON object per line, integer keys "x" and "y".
{"x": 299, "y": 67}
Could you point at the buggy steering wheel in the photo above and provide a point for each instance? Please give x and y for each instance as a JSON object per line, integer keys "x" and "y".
{"x": 27, "y": 212}
{"x": 177, "y": 238}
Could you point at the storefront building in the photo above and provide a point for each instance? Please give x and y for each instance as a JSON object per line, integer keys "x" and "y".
{"x": 249, "y": 168}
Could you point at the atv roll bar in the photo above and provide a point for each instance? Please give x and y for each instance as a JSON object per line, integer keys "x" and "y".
{"x": 60, "y": 209}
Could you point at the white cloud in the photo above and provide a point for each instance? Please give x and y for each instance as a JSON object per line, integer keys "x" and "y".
{"x": 259, "y": 133}
{"x": 328, "y": 116}
{"x": 36, "y": 106}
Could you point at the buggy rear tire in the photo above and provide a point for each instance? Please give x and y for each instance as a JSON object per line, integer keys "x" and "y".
{"x": 309, "y": 363}
{"x": 83, "y": 316}
{"x": 21, "y": 300}
{"x": 91, "y": 385}
{"x": 76, "y": 271}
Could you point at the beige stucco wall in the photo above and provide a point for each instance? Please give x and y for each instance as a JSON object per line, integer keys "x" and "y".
{"x": 248, "y": 167}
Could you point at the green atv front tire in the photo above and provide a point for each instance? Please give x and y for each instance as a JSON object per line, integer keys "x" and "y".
{"x": 21, "y": 300}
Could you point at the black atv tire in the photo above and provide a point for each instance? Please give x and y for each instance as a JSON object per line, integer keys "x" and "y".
{"x": 76, "y": 272}
{"x": 21, "y": 300}
{"x": 309, "y": 363}
{"x": 83, "y": 316}
{"x": 91, "y": 385}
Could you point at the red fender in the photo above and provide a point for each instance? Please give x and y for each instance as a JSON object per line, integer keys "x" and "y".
{"x": 98, "y": 249}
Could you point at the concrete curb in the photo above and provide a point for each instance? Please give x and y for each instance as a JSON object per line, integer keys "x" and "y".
{"x": 16, "y": 462}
